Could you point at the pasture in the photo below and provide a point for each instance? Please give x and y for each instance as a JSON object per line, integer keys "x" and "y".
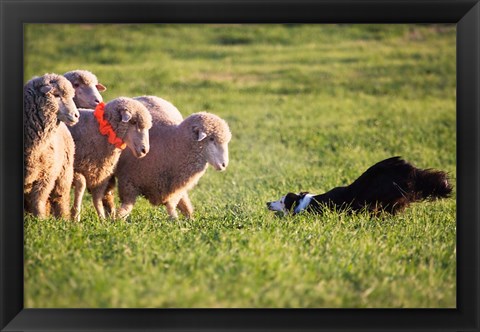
{"x": 310, "y": 107}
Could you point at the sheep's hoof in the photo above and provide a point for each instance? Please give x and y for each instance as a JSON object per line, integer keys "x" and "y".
{"x": 74, "y": 216}
{"x": 122, "y": 215}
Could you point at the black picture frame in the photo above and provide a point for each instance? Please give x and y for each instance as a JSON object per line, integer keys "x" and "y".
{"x": 464, "y": 13}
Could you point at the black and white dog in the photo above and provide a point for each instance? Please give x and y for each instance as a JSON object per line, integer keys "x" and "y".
{"x": 390, "y": 185}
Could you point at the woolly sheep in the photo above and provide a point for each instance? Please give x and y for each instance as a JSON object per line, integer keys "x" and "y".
{"x": 163, "y": 112}
{"x": 87, "y": 88}
{"x": 96, "y": 157}
{"x": 87, "y": 95}
{"x": 179, "y": 156}
{"x": 49, "y": 147}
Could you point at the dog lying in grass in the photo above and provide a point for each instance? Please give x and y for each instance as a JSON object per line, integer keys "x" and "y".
{"x": 390, "y": 186}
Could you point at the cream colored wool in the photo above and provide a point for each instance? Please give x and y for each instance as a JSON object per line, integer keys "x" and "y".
{"x": 48, "y": 145}
{"x": 87, "y": 88}
{"x": 163, "y": 113}
{"x": 96, "y": 158}
{"x": 176, "y": 161}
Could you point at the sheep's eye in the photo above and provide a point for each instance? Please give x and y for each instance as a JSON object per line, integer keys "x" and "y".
{"x": 56, "y": 95}
{"x": 212, "y": 139}
{"x": 76, "y": 85}
{"x": 133, "y": 122}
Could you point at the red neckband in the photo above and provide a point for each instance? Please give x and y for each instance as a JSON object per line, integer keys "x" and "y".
{"x": 105, "y": 128}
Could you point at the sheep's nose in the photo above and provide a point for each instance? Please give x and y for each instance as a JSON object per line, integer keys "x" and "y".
{"x": 97, "y": 101}
{"x": 223, "y": 165}
{"x": 144, "y": 151}
{"x": 76, "y": 115}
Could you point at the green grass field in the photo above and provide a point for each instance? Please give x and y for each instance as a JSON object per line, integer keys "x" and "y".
{"x": 310, "y": 107}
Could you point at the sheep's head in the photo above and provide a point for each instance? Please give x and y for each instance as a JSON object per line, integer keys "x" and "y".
{"x": 87, "y": 88}
{"x": 58, "y": 94}
{"x": 213, "y": 135}
{"x": 133, "y": 121}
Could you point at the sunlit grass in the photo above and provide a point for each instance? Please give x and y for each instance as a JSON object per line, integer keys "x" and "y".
{"x": 310, "y": 107}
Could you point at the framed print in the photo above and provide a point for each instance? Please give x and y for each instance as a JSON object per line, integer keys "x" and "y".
{"x": 216, "y": 165}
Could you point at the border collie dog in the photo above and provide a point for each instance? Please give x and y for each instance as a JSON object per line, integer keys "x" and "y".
{"x": 390, "y": 185}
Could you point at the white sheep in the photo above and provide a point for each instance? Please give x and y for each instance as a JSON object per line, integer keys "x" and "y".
{"x": 87, "y": 88}
{"x": 98, "y": 148}
{"x": 179, "y": 156}
{"x": 87, "y": 95}
{"x": 49, "y": 147}
{"x": 163, "y": 112}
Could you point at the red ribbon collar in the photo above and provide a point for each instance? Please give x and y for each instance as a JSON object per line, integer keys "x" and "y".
{"x": 105, "y": 128}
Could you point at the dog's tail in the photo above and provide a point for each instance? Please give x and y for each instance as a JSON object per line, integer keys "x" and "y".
{"x": 431, "y": 184}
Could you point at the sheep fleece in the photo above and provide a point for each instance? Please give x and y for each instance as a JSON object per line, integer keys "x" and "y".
{"x": 175, "y": 163}
{"x": 48, "y": 150}
{"x": 95, "y": 157}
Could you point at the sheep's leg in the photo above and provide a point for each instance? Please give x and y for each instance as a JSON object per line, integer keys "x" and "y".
{"x": 108, "y": 199}
{"x": 39, "y": 208}
{"x": 58, "y": 204}
{"x": 80, "y": 185}
{"x": 185, "y": 206}
{"x": 38, "y": 198}
{"x": 27, "y": 206}
{"x": 60, "y": 196}
{"x": 108, "y": 202}
{"x": 171, "y": 209}
{"x": 124, "y": 210}
{"x": 128, "y": 195}
{"x": 28, "y": 201}
{"x": 48, "y": 207}
{"x": 97, "y": 196}
{"x": 34, "y": 206}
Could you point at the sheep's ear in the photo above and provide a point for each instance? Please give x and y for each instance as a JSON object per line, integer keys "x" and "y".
{"x": 126, "y": 116}
{"x": 100, "y": 87}
{"x": 46, "y": 89}
{"x": 199, "y": 134}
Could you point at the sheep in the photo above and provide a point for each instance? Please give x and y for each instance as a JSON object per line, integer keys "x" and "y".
{"x": 48, "y": 145}
{"x": 179, "y": 156}
{"x": 87, "y": 95}
{"x": 97, "y": 155}
{"x": 163, "y": 112}
{"x": 87, "y": 88}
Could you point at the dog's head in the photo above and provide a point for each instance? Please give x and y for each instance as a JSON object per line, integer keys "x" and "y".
{"x": 290, "y": 203}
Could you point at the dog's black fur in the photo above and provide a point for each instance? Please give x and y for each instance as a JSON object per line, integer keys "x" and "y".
{"x": 390, "y": 185}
